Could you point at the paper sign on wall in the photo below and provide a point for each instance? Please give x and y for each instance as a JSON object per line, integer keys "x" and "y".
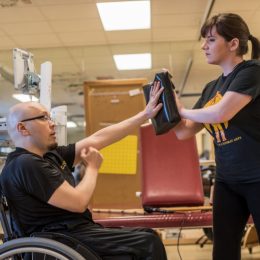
{"x": 120, "y": 157}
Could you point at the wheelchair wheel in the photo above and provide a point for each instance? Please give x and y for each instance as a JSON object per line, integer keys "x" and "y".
{"x": 37, "y": 248}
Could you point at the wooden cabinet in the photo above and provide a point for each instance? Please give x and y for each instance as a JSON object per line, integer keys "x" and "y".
{"x": 108, "y": 102}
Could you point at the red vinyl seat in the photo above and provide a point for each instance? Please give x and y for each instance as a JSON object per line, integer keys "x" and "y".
{"x": 170, "y": 173}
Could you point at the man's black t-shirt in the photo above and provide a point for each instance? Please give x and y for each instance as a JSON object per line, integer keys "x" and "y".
{"x": 237, "y": 142}
{"x": 28, "y": 181}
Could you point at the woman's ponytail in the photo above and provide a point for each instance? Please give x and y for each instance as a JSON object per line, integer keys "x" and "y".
{"x": 255, "y": 47}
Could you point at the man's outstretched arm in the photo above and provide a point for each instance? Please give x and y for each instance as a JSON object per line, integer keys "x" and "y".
{"x": 114, "y": 133}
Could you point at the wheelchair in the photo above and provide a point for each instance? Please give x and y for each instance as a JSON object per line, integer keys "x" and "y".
{"x": 42, "y": 245}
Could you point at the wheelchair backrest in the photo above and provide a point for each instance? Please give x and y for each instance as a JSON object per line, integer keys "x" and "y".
{"x": 5, "y": 218}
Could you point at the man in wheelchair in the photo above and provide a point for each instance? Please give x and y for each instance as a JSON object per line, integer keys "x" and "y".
{"x": 41, "y": 191}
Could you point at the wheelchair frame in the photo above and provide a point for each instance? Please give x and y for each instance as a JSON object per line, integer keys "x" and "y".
{"x": 41, "y": 245}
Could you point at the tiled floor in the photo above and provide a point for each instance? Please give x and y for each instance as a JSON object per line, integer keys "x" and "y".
{"x": 195, "y": 252}
{"x": 190, "y": 249}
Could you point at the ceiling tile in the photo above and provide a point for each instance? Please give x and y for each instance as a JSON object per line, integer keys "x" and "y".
{"x": 131, "y": 48}
{"x": 79, "y": 25}
{"x": 17, "y": 14}
{"x": 64, "y": 66}
{"x": 175, "y": 34}
{"x": 62, "y": 2}
{"x": 131, "y": 36}
{"x": 22, "y": 28}
{"x": 72, "y": 11}
{"x": 178, "y": 6}
{"x": 82, "y": 38}
{"x": 235, "y": 5}
{"x": 6, "y": 42}
{"x": 176, "y": 20}
{"x": 51, "y": 53}
{"x": 5, "y": 56}
{"x": 95, "y": 51}
{"x": 1, "y": 31}
{"x": 36, "y": 41}
{"x": 93, "y": 61}
{"x": 161, "y": 47}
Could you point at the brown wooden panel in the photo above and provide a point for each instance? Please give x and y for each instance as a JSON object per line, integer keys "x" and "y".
{"x": 108, "y": 102}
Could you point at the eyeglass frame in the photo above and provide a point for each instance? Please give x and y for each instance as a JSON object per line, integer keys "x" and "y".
{"x": 42, "y": 117}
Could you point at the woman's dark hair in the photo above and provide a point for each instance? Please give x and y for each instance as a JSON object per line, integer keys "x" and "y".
{"x": 231, "y": 26}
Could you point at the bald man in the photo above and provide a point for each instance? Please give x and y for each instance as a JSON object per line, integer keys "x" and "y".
{"x": 40, "y": 188}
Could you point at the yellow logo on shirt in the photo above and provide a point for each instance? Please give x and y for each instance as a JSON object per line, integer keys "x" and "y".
{"x": 218, "y": 130}
{"x": 63, "y": 165}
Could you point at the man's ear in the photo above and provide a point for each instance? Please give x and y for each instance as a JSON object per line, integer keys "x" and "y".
{"x": 21, "y": 128}
{"x": 234, "y": 44}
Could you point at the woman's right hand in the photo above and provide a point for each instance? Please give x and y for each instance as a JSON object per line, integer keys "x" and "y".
{"x": 92, "y": 158}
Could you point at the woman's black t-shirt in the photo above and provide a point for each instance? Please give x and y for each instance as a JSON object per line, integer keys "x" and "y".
{"x": 236, "y": 142}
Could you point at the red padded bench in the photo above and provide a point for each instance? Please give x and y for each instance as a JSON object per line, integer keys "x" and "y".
{"x": 154, "y": 220}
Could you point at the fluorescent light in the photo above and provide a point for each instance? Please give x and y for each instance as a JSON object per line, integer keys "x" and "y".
{"x": 25, "y": 97}
{"x": 133, "y": 61}
{"x": 128, "y": 15}
{"x": 81, "y": 123}
{"x": 71, "y": 124}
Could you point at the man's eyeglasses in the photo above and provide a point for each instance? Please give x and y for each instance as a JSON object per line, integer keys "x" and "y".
{"x": 43, "y": 118}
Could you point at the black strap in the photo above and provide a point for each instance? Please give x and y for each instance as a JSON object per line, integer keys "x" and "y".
{"x": 150, "y": 209}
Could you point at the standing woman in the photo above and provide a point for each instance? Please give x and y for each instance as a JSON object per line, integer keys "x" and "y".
{"x": 229, "y": 108}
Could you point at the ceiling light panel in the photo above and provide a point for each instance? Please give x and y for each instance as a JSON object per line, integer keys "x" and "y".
{"x": 128, "y": 15}
{"x": 133, "y": 61}
{"x": 25, "y": 97}
{"x": 71, "y": 124}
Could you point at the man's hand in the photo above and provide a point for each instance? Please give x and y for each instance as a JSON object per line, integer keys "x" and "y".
{"x": 153, "y": 107}
{"x": 93, "y": 158}
{"x": 77, "y": 199}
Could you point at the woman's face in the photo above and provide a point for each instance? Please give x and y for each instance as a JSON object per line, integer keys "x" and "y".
{"x": 216, "y": 48}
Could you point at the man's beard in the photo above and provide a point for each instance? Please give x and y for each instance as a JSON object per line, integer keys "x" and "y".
{"x": 52, "y": 146}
